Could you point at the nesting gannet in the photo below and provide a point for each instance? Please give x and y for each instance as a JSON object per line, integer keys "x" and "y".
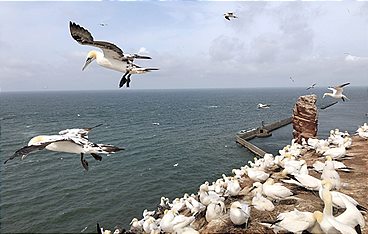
{"x": 256, "y": 174}
{"x": 194, "y": 205}
{"x": 206, "y": 196}
{"x": 215, "y": 210}
{"x": 274, "y": 191}
{"x": 318, "y": 166}
{"x": 338, "y": 202}
{"x": 67, "y": 142}
{"x": 304, "y": 180}
{"x": 136, "y": 226}
{"x": 178, "y": 204}
{"x": 239, "y": 213}
{"x": 133, "y": 69}
{"x": 293, "y": 221}
{"x": 181, "y": 221}
{"x": 326, "y": 220}
{"x": 166, "y": 220}
{"x": 229, "y": 15}
{"x": 337, "y": 92}
{"x": 312, "y": 86}
{"x": 351, "y": 216}
{"x": 112, "y": 56}
{"x": 329, "y": 173}
{"x": 233, "y": 187}
{"x": 150, "y": 225}
{"x": 363, "y": 131}
{"x": 261, "y": 203}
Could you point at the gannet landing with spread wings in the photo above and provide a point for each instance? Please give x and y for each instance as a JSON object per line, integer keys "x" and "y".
{"x": 337, "y": 92}
{"x": 229, "y": 15}
{"x": 68, "y": 141}
{"x": 112, "y": 56}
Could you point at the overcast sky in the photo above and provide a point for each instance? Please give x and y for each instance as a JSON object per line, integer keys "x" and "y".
{"x": 191, "y": 43}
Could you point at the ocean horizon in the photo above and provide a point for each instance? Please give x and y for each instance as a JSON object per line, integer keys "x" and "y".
{"x": 49, "y": 192}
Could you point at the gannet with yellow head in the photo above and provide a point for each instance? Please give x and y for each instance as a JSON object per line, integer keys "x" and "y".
{"x": 111, "y": 57}
{"x": 66, "y": 142}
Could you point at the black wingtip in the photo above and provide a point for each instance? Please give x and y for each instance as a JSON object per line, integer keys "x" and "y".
{"x": 99, "y": 229}
{"x": 128, "y": 81}
{"x": 362, "y": 208}
{"x": 123, "y": 80}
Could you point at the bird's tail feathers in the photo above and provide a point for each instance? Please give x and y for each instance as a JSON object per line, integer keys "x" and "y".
{"x": 89, "y": 129}
{"x": 109, "y": 148}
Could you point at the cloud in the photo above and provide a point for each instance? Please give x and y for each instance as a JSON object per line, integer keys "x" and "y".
{"x": 225, "y": 48}
{"x": 143, "y": 50}
{"x": 352, "y": 58}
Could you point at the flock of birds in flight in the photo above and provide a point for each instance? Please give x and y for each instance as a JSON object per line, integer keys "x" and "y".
{"x": 76, "y": 141}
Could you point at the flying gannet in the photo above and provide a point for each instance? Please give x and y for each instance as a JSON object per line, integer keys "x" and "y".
{"x": 133, "y": 69}
{"x": 337, "y": 92}
{"x": 68, "y": 141}
{"x": 263, "y": 106}
{"x": 229, "y": 15}
{"x": 111, "y": 57}
{"x": 312, "y": 86}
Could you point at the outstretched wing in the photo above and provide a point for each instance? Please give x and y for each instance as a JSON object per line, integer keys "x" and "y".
{"x": 345, "y": 84}
{"x": 84, "y": 37}
{"x": 78, "y": 132}
{"x": 23, "y": 152}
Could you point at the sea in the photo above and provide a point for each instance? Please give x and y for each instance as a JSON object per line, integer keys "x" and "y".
{"x": 174, "y": 141}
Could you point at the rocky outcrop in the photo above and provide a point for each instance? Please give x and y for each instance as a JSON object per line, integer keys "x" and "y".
{"x": 305, "y": 118}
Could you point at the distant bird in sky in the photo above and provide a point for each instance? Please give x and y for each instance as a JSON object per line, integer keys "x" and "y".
{"x": 112, "y": 56}
{"x": 292, "y": 79}
{"x": 103, "y": 24}
{"x": 337, "y": 92}
{"x": 68, "y": 141}
{"x": 229, "y": 15}
{"x": 312, "y": 86}
{"x": 134, "y": 69}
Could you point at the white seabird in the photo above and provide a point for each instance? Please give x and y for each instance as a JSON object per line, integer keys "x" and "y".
{"x": 229, "y": 15}
{"x": 69, "y": 142}
{"x": 261, "y": 203}
{"x": 239, "y": 213}
{"x": 263, "y": 106}
{"x": 215, "y": 210}
{"x": 312, "y": 86}
{"x": 134, "y": 69}
{"x": 112, "y": 56}
{"x": 326, "y": 220}
{"x": 337, "y": 92}
{"x": 293, "y": 221}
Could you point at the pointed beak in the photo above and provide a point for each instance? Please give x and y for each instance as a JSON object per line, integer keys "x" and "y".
{"x": 88, "y": 61}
